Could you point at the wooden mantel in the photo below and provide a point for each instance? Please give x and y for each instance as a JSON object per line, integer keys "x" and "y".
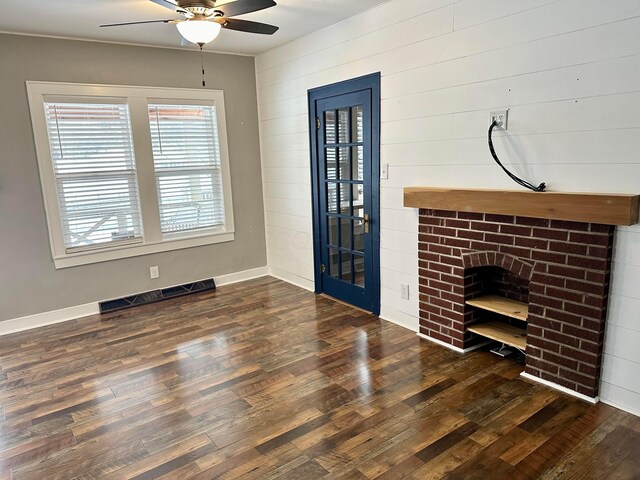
{"x": 607, "y": 209}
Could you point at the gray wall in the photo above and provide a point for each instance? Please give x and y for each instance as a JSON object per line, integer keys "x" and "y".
{"x": 29, "y": 283}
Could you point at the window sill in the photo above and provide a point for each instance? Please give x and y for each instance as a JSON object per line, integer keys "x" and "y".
{"x": 128, "y": 251}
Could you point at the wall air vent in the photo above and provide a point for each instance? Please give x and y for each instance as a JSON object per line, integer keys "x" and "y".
{"x": 156, "y": 295}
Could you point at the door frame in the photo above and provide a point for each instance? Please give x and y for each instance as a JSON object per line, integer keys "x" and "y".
{"x": 369, "y": 82}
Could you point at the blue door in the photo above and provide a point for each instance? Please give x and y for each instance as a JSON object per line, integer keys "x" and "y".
{"x": 345, "y": 160}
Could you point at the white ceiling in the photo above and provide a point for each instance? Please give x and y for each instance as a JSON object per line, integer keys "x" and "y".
{"x": 81, "y": 19}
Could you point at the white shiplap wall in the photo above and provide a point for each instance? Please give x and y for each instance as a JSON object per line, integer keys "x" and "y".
{"x": 567, "y": 69}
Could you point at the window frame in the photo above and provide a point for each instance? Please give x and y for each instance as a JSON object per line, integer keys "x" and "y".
{"x": 137, "y": 98}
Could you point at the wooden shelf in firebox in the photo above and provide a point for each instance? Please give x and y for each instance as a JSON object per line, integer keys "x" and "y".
{"x": 502, "y": 332}
{"x": 503, "y": 306}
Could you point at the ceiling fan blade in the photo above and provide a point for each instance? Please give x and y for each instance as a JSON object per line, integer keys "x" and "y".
{"x": 136, "y": 23}
{"x": 166, "y": 3}
{"x": 246, "y": 26}
{"x": 240, "y": 7}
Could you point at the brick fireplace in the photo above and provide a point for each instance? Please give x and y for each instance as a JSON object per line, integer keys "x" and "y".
{"x": 559, "y": 268}
{"x": 526, "y": 269}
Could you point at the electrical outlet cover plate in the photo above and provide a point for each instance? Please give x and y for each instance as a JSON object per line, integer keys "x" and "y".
{"x": 404, "y": 291}
{"x": 154, "y": 272}
{"x": 501, "y": 117}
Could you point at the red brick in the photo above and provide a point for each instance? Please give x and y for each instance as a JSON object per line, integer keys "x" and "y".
{"x": 586, "y": 262}
{"x": 428, "y": 274}
{"x": 440, "y": 249}
{"x": 579, "y": 355}
{"x": 587, "y": 369}
{"x": 440, "y": 267}
{"x": 577, "y": 377}
{"x": 542, "y": 365}
{"x": 485, "y": 227}
{"x": 471, "y": 234}
{"x": 565, "y": 247}
{"x": 567, "y": 225}
{"x": 430, "y": 221}
{"x": 563, "y": 316}
{"x": 588, "y": 391}
{"x": 517, "y": 230}
{"x": 516, "y": 251}
{"x": 428, "y": 238}
{"x": 547, "y": 279}
{"x": 452, "y": 279}
{"x": 444, "y": 213}
{"x": 598, "y": 277}
{"x": 544, "y": 344}
{"x": 498, "y": 238}
{"x": 490, "y": 217}
{"x": 456, "y": 242}
{"x": 581, "y": 333}
{"x": 444, "y": 231}
{"x": 560, "y": 338}
{"x": 560, "y": 360}
{"x": 430, "y": 256}
{"x": 562, "y": 235}
{"x": 449, "y": 260}
{"x": 454, "y": 223}
{"x": 579, "y": 286}
{"x": 471, "y": 216}
{"x": 598, "y": 228}
{"x": 445, "y": 287}
{"x": 566, "y": 272}
{"x": 550, "y": 257}
{"x": 583, "y": 310}
{"x": 590, "y": 238}
{"x": 564, "y": 294}
{"x": 536, "y": 243}
{"x": 532, "y": 222}
{"x": 484, "y": 246}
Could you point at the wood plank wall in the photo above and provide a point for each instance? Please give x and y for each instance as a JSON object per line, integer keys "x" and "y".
{"x": 568, "y": 70}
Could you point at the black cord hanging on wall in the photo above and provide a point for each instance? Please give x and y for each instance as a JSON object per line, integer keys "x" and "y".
{"x": 518, "y": 180}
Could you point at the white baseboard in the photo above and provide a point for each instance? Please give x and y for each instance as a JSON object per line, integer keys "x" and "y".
{"x": 555, "y": 386}
{"x": 292, "y": 279}
{"x": 401, "y": 319}
{"x": 48, "y": 318}
{"x": 71, "y": 313}
{"x": 451, "y": 347}
{"x": 236, "y": 277}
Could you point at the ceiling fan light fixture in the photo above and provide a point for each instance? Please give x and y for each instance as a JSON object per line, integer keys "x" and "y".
{"x": 199, "y": 31}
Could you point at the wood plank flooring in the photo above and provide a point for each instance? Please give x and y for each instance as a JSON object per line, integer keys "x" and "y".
{"x": 263, "y": 380}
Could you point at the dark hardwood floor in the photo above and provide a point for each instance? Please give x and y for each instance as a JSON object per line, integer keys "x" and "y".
{"x": 264, "y": 380}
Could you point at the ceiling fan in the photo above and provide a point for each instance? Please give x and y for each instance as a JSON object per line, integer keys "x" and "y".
{"x": 203, "y": 19}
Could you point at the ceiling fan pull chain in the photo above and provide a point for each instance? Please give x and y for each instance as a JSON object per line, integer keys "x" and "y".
{"x": 202, "y": 64}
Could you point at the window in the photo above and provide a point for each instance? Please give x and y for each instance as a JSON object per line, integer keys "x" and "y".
{"x": 130, "y": 170}
{"x": 186, "y": 158}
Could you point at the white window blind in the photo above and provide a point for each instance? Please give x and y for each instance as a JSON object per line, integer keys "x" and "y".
{"x": 95, "y": 177}
{"x": 186, "y": 156}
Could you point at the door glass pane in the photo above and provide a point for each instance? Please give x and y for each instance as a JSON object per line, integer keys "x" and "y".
{"x": 357, "y": 124}
{"x": 334, "y": 261}
{"x": 346, "y": 267}
{"x": 345, "y": 233}
{"x": 332, "y": 229}
{"x": 358, "y": 210}
{"x": 343, "y": 159}
{"x": 358, "y": 270}
{"x": 330, "y": 127}
{"x": 331, "y": 161}
{"x": 332, "y": 197}
{"x": 358, "y": 235}
{"x": 343, "y": 125}
{"x": 357, "y": 154}
{"x": 345, "y": 199}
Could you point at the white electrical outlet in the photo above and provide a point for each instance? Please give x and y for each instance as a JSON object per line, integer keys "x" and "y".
{"x": 384, "y": 171}
{"x": 404, "y": 291}
{"x": 501, "y": 117}
{"x": 154, "y": 272}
